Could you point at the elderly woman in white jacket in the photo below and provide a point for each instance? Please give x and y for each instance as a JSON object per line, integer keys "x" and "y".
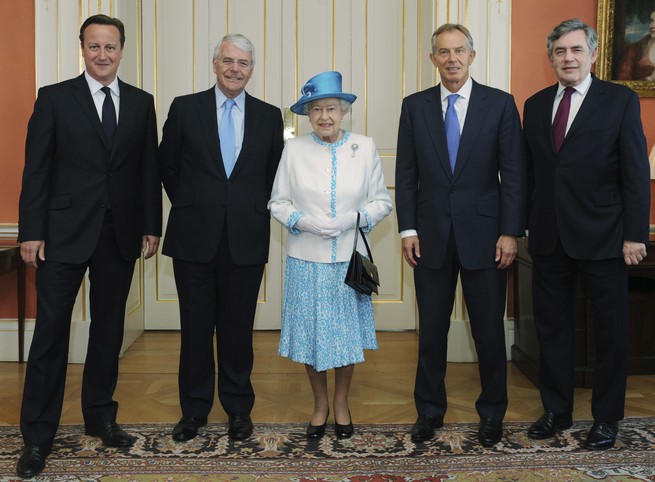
{"x": 324, "y": 179}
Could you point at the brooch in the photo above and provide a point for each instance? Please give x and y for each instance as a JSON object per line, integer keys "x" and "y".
{"x": 354, "y": 147}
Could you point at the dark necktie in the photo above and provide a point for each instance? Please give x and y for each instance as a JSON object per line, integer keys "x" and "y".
{"x": 226, "y": 135}
{"x": 108, "y": 115}
{"x": 562, "y": 118}
{"x": 452, "y": 130}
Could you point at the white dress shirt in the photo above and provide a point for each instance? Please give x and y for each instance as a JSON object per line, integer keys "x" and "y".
{"x": 578, "y": 95}
{"x": 99, "y": 96}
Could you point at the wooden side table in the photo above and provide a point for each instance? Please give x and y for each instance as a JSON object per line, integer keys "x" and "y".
{"x": 10, "y": 260}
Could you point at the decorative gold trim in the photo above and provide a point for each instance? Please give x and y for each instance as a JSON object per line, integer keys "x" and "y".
{"x": 606, "y": 14}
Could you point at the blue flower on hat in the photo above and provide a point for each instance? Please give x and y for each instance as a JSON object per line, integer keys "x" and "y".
{"x": 322, "y": 86}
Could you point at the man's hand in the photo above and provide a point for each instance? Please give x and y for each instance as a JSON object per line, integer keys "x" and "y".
{"x": 411, "y": 250}
{"x": 506, "y": 249}
{"x": 149, "y": 245}
{"x": 29, "y": 250}
{"x": 633, "y": 252}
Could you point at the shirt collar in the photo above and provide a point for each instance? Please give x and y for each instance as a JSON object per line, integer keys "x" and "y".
{"x": 581, "y": 88}
{"x": 239, "y": 100}
{"x": 464, "y": 91}
{"x": 95, "y": 86}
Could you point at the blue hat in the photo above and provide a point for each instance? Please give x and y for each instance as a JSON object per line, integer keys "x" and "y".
{"x": 322, "y": 86}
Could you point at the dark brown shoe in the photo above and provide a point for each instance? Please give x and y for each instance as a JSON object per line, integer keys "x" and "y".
{"x": 111, "y": 433}
{"x": 602, "y": 435}
{"x": 32, "y": 461}
{"x": 187, "y": 428}
{"x": 490, "y": 432}
{"x": 424, "y": 427}
{"x": 548, "y": 425}
{"x": 241, "y": 426}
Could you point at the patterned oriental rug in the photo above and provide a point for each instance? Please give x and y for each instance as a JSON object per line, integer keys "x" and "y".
{"x": 376, "y": 453}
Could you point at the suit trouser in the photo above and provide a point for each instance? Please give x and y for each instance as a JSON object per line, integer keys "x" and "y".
{"x": 554, "y": 280}
{"x": 216, "y": 297}
{"x": 57, "y": 285}
{"x": 484, "y": 291}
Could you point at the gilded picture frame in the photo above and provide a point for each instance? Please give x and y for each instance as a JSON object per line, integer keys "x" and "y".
{"x": 624, "y": 44}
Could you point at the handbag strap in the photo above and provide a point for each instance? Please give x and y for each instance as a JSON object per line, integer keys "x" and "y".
{"x": 357, "y": 231}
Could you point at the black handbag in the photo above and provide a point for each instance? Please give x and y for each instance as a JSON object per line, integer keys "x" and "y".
{"x": 362, "y": 274}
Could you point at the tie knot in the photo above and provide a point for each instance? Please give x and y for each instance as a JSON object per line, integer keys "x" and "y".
{"x": 568, "y": 92}
{"x": 106, "y": 90}
{"x": 229, "y": 103}
{"x": 452, "y": 98}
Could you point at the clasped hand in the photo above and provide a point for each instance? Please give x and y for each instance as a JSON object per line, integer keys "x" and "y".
{"x": 329, "y": 227}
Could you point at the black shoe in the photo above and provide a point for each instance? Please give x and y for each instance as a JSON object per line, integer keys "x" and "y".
{"x": 187, "y": 428}
{"x": 602, "y": 435}
{"x": 315, "y": 432}
{"x": 344, "y": 431}
{"x": 490, "y": 432}
{"x": 111, "y": 433}
{"x": 240, "y": 426}
{"x": 32, "y": 461}
{"x": 424, "y": 428}
{"x": 548, "y": 425}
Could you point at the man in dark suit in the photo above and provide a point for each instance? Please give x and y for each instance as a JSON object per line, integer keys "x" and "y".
{"x": 456, "y": 142}
{"x": 91, "y": 198}
{"x": 588, "y": 180}
{"x": 219, "y": 153}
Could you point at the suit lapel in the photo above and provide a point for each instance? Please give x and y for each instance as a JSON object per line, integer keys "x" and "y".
{"x": 82, "y": 95}
{"x": 476, "y": 114}
{"x": 206, "y": 105}
{"x": 593, "y": 99}
{"x": 433, "y": 115}
{"x": 127, "y": 106}
{"x": 251, "y": 123}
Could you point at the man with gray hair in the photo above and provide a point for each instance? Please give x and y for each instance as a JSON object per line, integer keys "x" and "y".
{"x": 588, "y": 216}
{"x": 456, "y": 141}
{"x": 219, "y": 154}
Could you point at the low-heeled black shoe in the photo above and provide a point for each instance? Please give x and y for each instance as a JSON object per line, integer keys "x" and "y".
{"x": 602, "y": 435}
{"x": 344, "y": 431}
{"x": 187, "y": 428}
{"x": 424, "y": 427}
{"x": 241, "y": 426}
{"x": 315, "y": 432}
{"x": 548, "y": 425}
{"x": 32, "y": 461}
{"x": 111, "y": 433}
{"x": 490, "y": 432}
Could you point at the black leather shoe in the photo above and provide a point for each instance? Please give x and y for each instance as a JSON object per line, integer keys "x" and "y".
{"x": 490, "y": 432}
{"x": 240, "y": 426}
{"x": 344, "y": 431}
{"x": 548, "y": 425}
{"x": 602, "y": 435}
{"x": 187, "y": 428}
{"x": 315, "y": 432}
{"x": 111, "y": 433}
{"x": 32, "y": 461}
{"x": 424, "y": 428}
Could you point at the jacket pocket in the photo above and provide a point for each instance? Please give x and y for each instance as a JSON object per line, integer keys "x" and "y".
{"x": 607, "y": 198}
{"x": 486, "y": 209}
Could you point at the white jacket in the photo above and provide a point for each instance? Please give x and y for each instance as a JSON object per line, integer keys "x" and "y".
{"x": 311, "y": 182}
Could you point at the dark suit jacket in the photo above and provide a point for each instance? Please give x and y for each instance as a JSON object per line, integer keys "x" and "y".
{"x": 472, "y": 200}
{"x": 71, "y": 175}
{"x": 203, "y": 198}
{"x": 594, "y": 194}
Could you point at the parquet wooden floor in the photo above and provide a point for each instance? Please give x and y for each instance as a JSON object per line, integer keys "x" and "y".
{"x": 381, "y": 390}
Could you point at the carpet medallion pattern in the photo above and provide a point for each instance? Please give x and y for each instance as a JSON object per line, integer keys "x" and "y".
{"x": 376, "y": 453}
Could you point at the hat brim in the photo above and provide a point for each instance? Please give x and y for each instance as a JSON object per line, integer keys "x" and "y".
{"x": 297, "y": 108}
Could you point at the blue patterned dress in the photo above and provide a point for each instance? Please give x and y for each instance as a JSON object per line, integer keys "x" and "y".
{"x": 325, "y": 323}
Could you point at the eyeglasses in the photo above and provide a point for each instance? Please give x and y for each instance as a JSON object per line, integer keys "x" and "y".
{"x": 229, "y": 62}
